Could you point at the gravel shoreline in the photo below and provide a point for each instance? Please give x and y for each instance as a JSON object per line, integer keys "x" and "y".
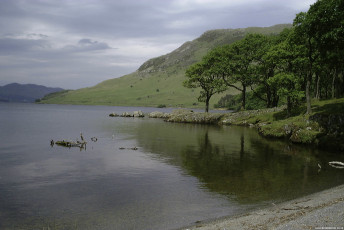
{"x": 322, "y": 210}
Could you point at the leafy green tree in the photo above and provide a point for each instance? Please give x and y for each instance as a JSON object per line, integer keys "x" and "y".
{"x": 304, "y": 36}
{"x": 239, "y": 61}
{"x": 288, "y": 86}
{"x": 205, "y": 75}
{"x": 265, "y": 64}
{"x": 326, "y": 21}
{"x": 287, "y": 62}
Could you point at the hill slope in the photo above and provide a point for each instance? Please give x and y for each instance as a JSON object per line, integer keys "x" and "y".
{"x": 24, "y": 93}
{"x": 159, "y": 80}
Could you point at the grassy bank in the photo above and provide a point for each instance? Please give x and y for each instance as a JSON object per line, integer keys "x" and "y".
{"x": 324, "y": 127}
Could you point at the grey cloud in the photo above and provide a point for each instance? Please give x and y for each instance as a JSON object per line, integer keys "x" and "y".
{"x": 94, "y": 45}
{"x": 41, "y": 36}
{"x": 86, "y": 45}
{"x": 13, "y": 45}
{"x": 72, "y": 41}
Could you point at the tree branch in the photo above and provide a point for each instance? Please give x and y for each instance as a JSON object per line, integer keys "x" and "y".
{"x": 230, "y": 85}
{"x": 257, "y": 95}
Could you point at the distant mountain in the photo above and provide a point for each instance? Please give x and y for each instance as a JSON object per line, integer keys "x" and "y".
{"x": 24, "y": 93}
{"x": 158, "y": 81}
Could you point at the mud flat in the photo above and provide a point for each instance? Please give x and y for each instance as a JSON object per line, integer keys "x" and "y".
{"x": 322, "y": 210}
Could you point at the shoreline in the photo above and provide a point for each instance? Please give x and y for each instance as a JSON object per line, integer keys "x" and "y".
{"x": 321, "y": 210}
{"x": 324, "y": 128}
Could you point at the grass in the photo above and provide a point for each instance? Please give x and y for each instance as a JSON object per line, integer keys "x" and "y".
{"x": 133, "y": 90}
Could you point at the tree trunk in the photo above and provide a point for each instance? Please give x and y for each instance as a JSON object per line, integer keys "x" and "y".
{"x": 341, "y": 92}
{"x": 243, "y": 105}
{"x": 317, "y": 93}
{"x": 308, "y": 89}
{"x": 289, "y": 105}
{"x": 275, "y": 99}
{"x": 309, "y": 77}
{"x": 268, "y": 97}
{"x": 333, "y": 84}
{"x": 207, "y": 104}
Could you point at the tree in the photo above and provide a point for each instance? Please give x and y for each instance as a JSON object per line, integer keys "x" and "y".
{"x": 326, "y": 21}
{"x": 304, "y": 35}
{"x": 265, "y": 64}
{"x": 205, "y": 75}
{"x": 239, "y": 60}
{"x": 289, "y": 86}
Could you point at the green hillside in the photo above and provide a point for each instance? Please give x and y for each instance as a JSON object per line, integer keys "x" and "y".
{"x": 158, "y": 81}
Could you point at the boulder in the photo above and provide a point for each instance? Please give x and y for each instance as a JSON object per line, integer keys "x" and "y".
{"x": 113, "y": 115}
{"x": 138, "y": 114}
{"x": 158, "y": 114}
{"x": 126, "y": 114}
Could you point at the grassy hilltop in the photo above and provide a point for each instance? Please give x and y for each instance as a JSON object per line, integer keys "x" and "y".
{"x": 158, "y": 81}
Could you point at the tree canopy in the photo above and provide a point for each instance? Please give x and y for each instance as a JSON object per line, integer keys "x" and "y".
{"x": 205, "y": 75}
{"x": 300, "y": 63}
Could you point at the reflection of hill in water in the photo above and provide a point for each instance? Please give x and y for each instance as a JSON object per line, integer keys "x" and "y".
{"x": 237, "y": 162}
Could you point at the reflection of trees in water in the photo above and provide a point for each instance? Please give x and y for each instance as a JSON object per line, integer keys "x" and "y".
{"x": 259, "y": 173}
{"x": 236, "y": 161}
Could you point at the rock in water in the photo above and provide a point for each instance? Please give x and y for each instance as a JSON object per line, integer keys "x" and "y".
{"x": 138, "y": 114}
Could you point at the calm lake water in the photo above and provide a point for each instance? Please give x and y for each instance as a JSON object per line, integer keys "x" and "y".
{"x": 180, "y": 174}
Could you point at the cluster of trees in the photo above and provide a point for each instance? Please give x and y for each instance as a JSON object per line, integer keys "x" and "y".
{"x": 303, "y": 62}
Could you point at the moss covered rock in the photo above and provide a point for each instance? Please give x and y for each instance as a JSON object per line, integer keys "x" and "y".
{"x": 188, "y": 116}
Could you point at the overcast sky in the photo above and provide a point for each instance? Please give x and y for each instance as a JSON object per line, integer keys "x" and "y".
{"x": 78, "y": 43}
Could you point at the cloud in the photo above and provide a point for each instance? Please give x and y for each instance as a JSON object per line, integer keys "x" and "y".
{"x": 14, "y": 45}
{"x": 87, "y": 45}
{"x": 74, "y": 44}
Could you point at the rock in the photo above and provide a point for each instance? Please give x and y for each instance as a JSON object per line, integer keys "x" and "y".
{"x": 138, "y": 114}
{"x": 226, "y": 121}
{"x": 288, "y": 129}
{"x": 126, "y": 114}
{"x": 333, "y": 123}
{"x": 187, "y": 116}
{"x": 113, "y": 115}
{"x": 158, "y": 114}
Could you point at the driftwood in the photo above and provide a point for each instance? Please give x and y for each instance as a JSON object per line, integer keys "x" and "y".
{"x": 133, "y": 148}
{"x": 80, "y": 144}
{"x": 336, "y": 164}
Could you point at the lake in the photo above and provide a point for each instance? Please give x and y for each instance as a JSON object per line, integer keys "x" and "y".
{"x": 179, "y": 174}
